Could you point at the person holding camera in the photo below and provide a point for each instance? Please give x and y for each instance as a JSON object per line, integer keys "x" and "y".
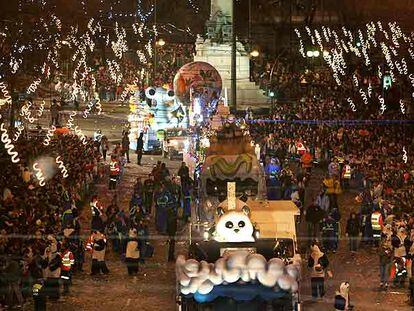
{"x": 318, "y": 263}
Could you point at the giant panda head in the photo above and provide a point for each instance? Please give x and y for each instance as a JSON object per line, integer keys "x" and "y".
{"x": 234, "y": 226}
{"x": 159, "y": 95}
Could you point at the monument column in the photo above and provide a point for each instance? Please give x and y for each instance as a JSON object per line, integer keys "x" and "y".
{"x": 225, "y": 6}
{"x": 220, "y": 49}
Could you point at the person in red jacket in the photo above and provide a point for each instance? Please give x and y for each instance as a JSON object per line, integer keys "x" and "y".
{"x": 306, "y": 160}
{"x": 68, "y": 260}
{"x": 114, "y": 170}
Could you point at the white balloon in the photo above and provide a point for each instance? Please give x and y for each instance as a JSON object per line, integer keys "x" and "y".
{"x": 255, "y": 264}
{"x": 192, "y": 267}
{"x": 206, "y": 287}
{"x": 285, "y": 282}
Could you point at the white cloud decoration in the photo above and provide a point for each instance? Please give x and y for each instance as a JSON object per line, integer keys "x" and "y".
{"x": 241, "y": 266}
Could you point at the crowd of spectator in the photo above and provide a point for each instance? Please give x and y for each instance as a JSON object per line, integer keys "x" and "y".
{"x": 37, "y": 221}
{"x": 310, "y": 90}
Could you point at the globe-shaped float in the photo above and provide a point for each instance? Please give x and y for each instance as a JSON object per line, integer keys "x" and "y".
{"x": 202, "y": 78}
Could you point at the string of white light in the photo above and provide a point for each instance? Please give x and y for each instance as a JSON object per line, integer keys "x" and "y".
{"x": 19, "y": 131}
{"x": 62, "y": 167}
{"x": 39, "y": 174}
{"x": 8, "y": 144}
{"x": 49, "y": 135}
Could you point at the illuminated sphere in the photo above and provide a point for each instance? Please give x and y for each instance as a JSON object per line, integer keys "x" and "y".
{"x": 202, "y": 77}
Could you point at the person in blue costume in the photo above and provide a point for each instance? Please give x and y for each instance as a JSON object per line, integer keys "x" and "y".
{"x": 186, "y": 202}
{"x": 272, "y": 170}
{"x": 162, "y": 199}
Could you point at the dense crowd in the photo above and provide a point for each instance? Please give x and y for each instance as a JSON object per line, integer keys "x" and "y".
{"x": 312, "y": 92}
{"x": 157, "y": 71}
{"x": 367, "y": 158}
{"x": 37, "y": 222}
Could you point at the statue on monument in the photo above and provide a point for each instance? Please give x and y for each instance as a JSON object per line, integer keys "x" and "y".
{"x": 221, "y": 21}
{"x": 219, "y": 24}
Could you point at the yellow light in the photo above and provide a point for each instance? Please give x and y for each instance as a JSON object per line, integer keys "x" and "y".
{"x": 254, "y": 53}
{"x": 161, "y": 42}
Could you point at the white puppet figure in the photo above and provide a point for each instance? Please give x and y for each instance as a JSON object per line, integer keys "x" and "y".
{"x": 342, "y": 297}
{"x": 234, "y": 226}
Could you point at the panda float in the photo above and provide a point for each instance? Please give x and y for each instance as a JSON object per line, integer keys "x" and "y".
{"x": 239, "y": 266}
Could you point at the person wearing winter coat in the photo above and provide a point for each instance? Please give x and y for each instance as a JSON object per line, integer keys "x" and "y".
{"x": 13, "y": 275}
{"x": 51, "y": 268}
{"x": 98, "y": 247}
{"x": 314, "y": 215}
{"x": 39, "y": 295}
{"x": 125, "y": 145}
{"x": 353, "y": 228}
{"x": 132, "y": 252}
{"x": 400, "y": 242}
{"x": 171, "y": 231}
{"x": 145, "y": 248}
{"x": 385, "y": 260}
{"x": 148, "y": 193}
{"x": 329, "y": 234}
{"x": 323, "y": 201}
{"x": 140, "y": 147}
{"x": 317, "y": 263}
{"x": 68, "y": 260}
{"x": 96, "y": 211}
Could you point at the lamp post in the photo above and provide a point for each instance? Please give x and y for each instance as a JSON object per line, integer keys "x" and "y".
{"x": 155, "y": 43}
{"x": 233, "y": 58}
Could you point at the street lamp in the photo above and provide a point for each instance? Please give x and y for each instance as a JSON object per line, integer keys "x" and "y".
{"x": 254, "y": 53}
{"x": 312, "y": 54}
{"x": 161, "y": 42}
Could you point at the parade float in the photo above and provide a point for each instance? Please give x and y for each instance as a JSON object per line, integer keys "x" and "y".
{"x": 246, "y": 259}
{"x": 198, "y": 86}
{"x": 153, "y": 114}
{"x": 242, "y": 251}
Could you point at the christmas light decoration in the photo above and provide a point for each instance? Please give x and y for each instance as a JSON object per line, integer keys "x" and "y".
{"x": 364, "y": 96}
{"x": 49, "y": 135}
{"x": 19, "y": 131}
{"x": 402, "y": 107}
{"x": 39, "y": 175}
{"x": 405, "y": 157}
{"x": 351, "y": 104}
{"x": 62, "y": 167}
{"x": 26, "y": 113}
{"x": 41, "y": 109}
{"x": 70, "y": 124}
{"x": 6, "y": 95}
{"x": 383, "y": 107}
{"x": 80, "y": 134}
{"x": 5, "y": 139}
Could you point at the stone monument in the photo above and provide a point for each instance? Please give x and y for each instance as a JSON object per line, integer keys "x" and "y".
{"x": 215, "y": 49}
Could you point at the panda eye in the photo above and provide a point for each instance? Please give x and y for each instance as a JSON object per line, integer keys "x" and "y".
{"x": 241, "y": 224}
{"x": 229, "y": 224}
